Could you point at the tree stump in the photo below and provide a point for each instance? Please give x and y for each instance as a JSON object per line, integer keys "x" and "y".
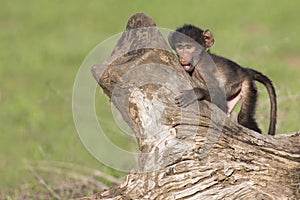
{"x": 187, "y": 153}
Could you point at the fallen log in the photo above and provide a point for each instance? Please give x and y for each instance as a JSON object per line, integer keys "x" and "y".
{"x": 187, "y": 153}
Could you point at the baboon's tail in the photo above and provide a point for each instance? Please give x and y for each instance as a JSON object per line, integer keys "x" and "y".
{"x": 272, "y": 94}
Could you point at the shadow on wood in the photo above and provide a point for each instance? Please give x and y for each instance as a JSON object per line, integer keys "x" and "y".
{"x": 187, "y": 153}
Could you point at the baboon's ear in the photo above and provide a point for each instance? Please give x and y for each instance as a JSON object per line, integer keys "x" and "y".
{"x": 209, "y": 39}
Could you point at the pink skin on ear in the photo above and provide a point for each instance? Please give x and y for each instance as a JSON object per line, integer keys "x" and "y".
{"x": 208, "y": 38}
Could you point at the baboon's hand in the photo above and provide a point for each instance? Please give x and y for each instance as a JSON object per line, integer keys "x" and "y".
{"x": 185, "y": 98}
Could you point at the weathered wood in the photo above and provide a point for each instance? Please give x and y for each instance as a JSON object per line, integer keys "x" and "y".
{"x": 190, "y": 153}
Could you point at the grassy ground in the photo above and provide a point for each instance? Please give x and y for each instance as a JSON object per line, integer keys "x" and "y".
{"x": 43, "y": 43}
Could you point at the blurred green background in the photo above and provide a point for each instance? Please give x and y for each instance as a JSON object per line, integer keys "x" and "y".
{"x": 43, "y": 43}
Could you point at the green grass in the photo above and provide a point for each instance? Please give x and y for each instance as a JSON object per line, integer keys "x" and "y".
{"x": 43, "y": 43}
